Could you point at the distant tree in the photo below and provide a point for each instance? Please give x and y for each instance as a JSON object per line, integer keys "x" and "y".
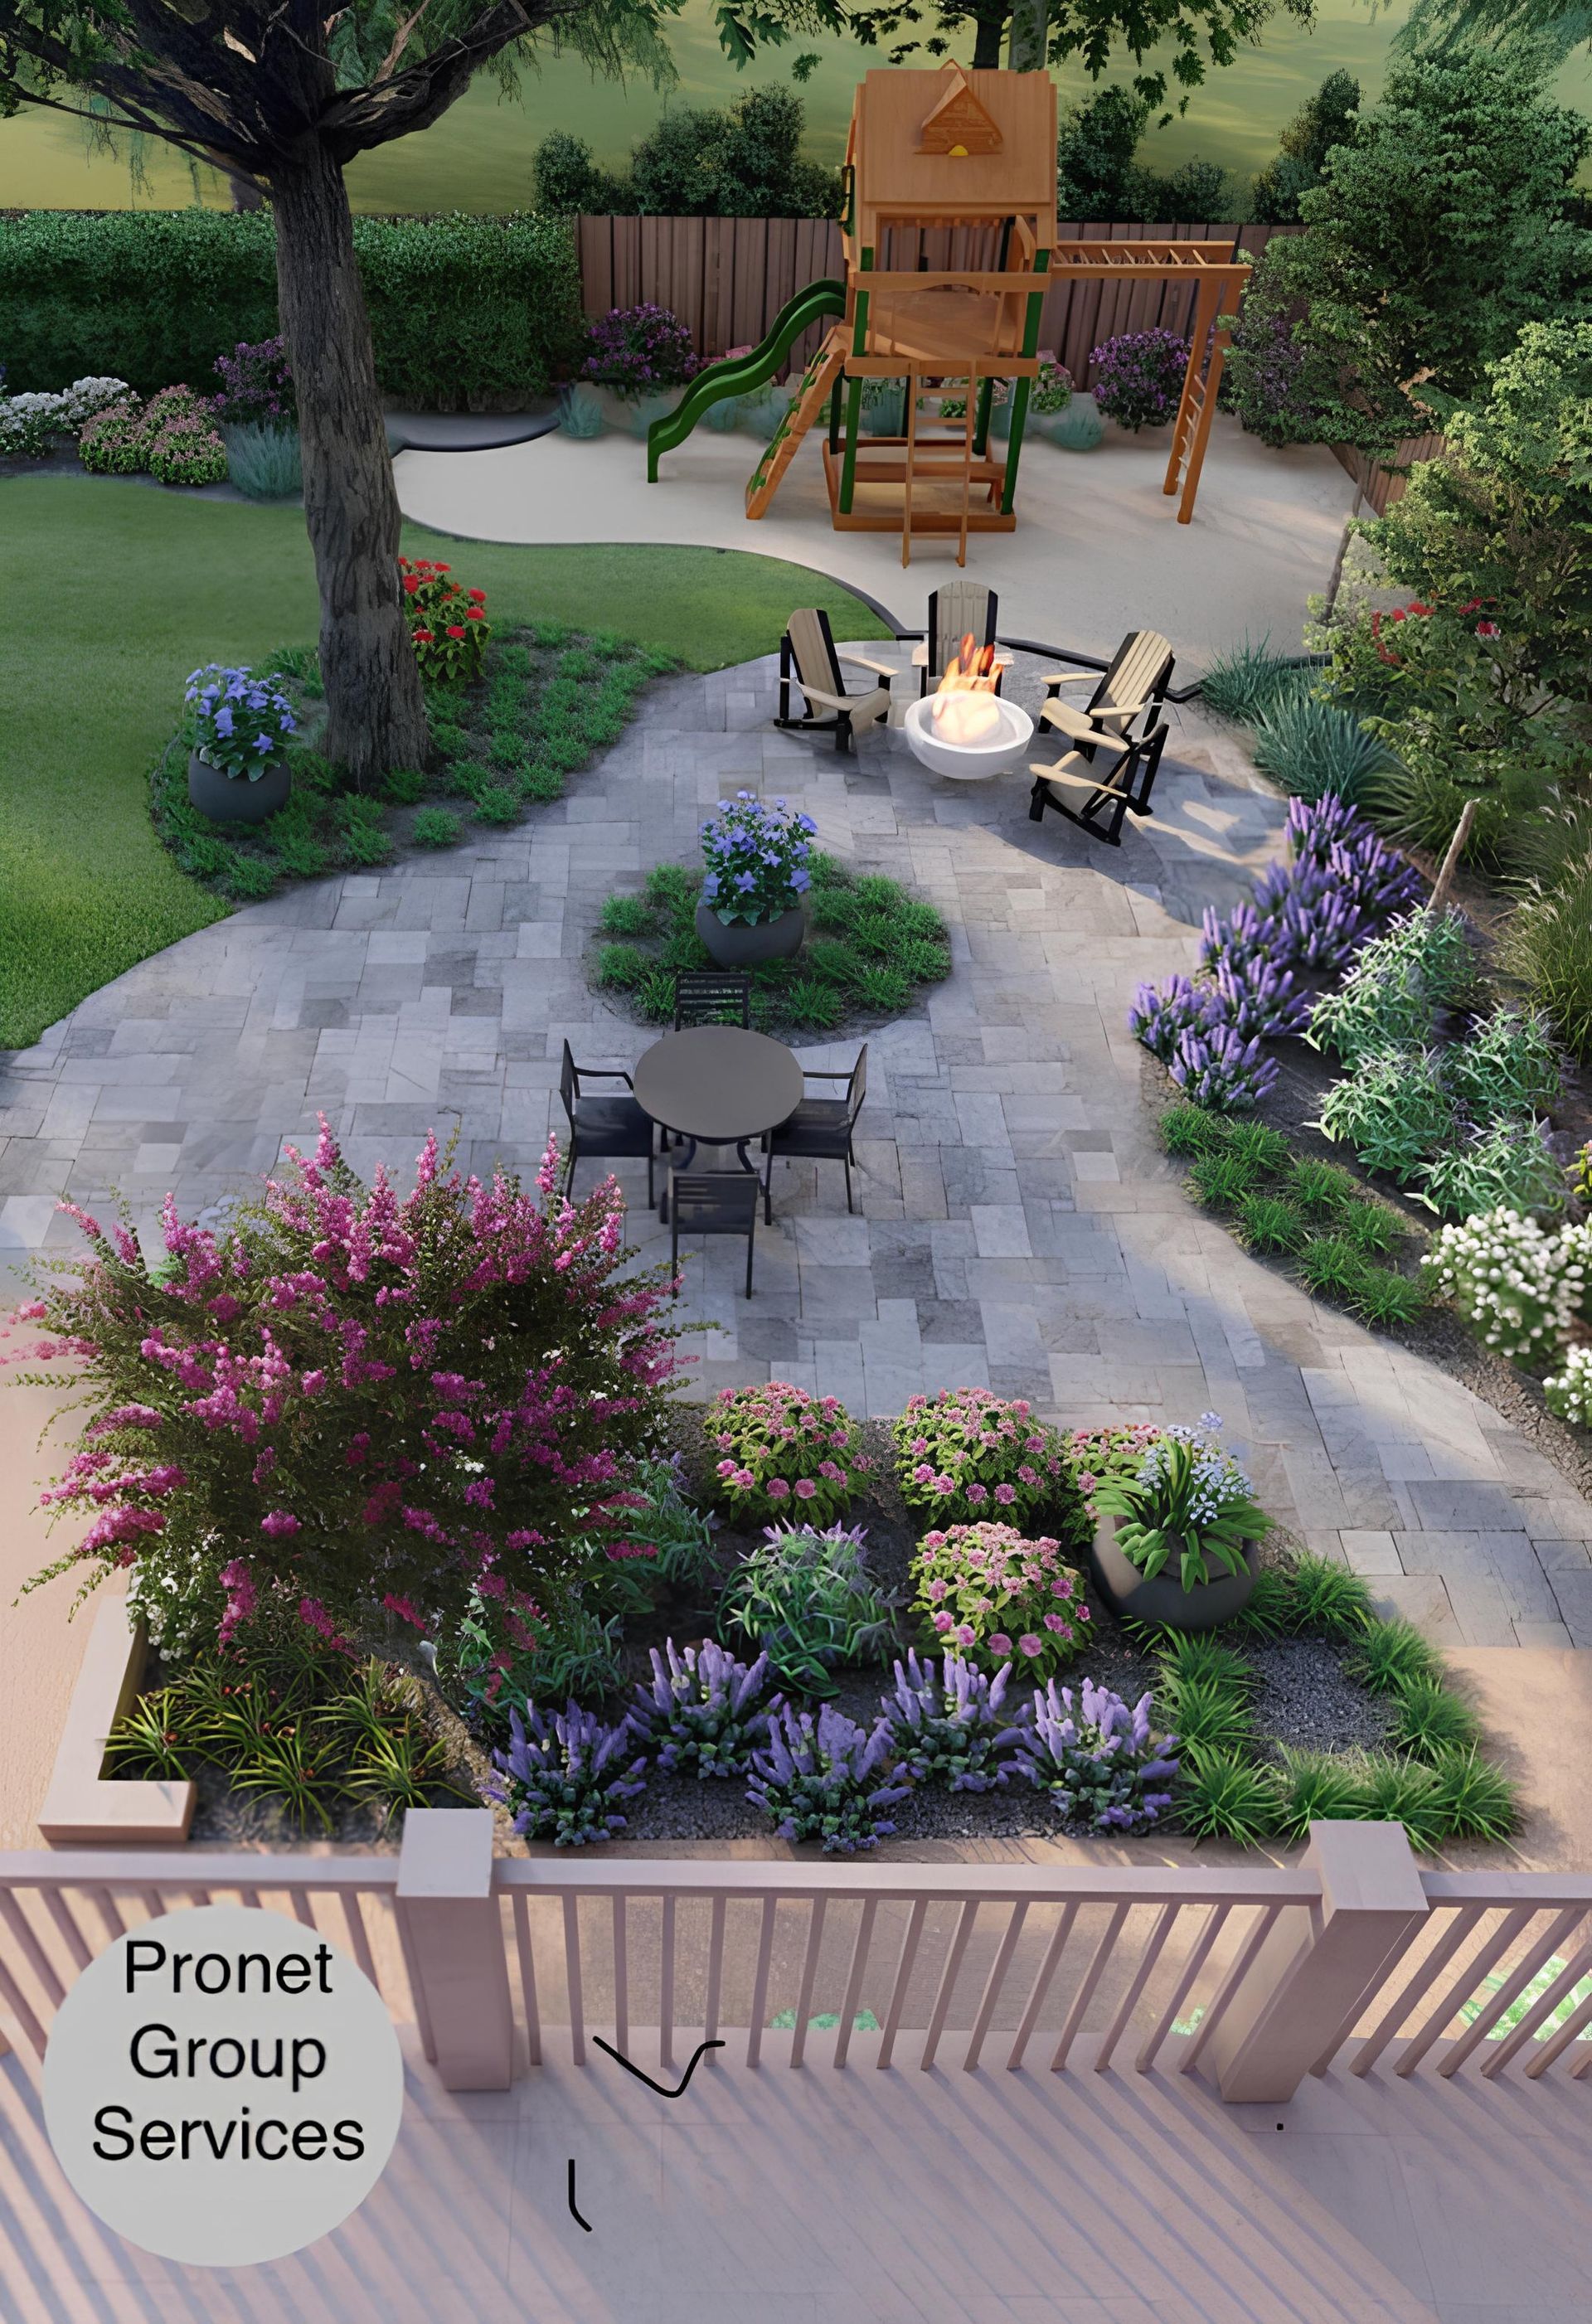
{"x": 1431, "y": 241}
{"x": 568, "y": 180}
{"x": 1099, "y": 177}
{"x": 1088, "y": 29}
{"x": 1324, "y": 120}
{"x": 744, "y": 162}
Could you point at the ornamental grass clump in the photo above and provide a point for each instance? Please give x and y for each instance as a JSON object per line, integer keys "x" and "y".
{"x": 563, "y": 1778}
{"x": 1506, "y": 1164}
{"x": 757, "y": 860}
{"x": 994, "y": 1595}
{"x": 947, "y": 1725}
{"x": 1101, "y": 1762}
{"x": 1518, "y": 1285}
{"x": 1188, "y": 1498}
{"x": 807, "y": 1600}
{"x": 786, "y": 1454}
{"x": 966, "y": 1455}
{"x": 827, "y": 1779}
{"x": 365, "y": 1405}
{"x": 1393, "y": 1109}
{"x": 703, "y": 1714}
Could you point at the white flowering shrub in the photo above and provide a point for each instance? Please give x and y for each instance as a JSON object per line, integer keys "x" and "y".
{"x": 1570, "y": 1391}
{"x": 1517, "y": 1285}
{"x": 28, "y": 421}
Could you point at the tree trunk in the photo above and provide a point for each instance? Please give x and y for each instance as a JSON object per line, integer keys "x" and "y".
{"x": 376, "y": 709}
{"x": 992, "y": 38}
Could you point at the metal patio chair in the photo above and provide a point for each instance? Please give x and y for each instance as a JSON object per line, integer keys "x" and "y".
{"x": 713, "y": 1203}
{"x": 821, "y": 1129}
{"x": 611, "y": 1127}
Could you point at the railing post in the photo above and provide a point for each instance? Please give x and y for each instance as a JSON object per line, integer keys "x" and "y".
{"x": 1317, "y": 1966}
{"x": 452, "y": 1929}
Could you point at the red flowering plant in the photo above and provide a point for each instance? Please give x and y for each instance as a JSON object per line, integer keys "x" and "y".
{"x": 355, "y": 1405}
{"x": 995, "y": 1596}
{"x": 449, "y": 627}
{"x": 965, "y": 1455}
{"x": 785, "y": 1454}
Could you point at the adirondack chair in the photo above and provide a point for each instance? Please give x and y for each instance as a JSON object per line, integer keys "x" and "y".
{"x": 1106, "y": 797}
{"x": 809, "y": 656}
{"x": 955, "y": 609}
{"x": 1134, "y": 686}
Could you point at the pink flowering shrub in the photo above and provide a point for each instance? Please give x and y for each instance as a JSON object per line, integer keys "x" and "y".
{"x": 784, "y": 1454}
{"x": 964, "y": 1455}
{"x": 362, "y": 1408}
{"x": 993, "y": 1596}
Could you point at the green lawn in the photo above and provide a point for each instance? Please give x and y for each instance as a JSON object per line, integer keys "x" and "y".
{"x": 119, "y": 591}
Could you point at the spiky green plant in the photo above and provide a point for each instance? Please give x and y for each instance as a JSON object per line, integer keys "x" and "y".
{"x": 1475, "y": 1799}
{"x": 1188, "y": 1130}
{"x": 1317, "y": 1786}
{"x": 1327, "y": 1599}
{"x": 1227, "y": 1798}
{"x": 1390, "y": 1655}
{"x": 1270, "y": 1223}
{"x": 1428, "y": 1719}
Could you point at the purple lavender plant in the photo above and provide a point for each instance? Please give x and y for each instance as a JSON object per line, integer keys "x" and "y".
{"x": 256, "y": 386}
{"x": 1136, "y": 378}
{"x": 1258, "y": 1000}
{"x": 639, "y": 349}
{"x": 1220, "y": 1071}
{"x": 561, "y": 1777}
{"x": 1160, "y": 1018}
{"x": 821, "y": 1779}
{"x": 1246, "y": 934}
{"x": 1098, "y": 1761}
{"x": 702, "y": 1711}
{"x": 947, "y": 1725}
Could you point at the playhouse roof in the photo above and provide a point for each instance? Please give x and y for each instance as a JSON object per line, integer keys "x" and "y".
{"x": 954, "y": 143}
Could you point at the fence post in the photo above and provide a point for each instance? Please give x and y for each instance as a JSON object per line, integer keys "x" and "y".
{"x": 1318, "y": 1966}
{"x": 452, "y": 1931}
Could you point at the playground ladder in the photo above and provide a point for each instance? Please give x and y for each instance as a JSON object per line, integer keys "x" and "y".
{"x": 941, "y": 467}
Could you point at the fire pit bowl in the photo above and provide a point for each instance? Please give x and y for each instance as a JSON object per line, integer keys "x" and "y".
{"x": 969, "y": 762}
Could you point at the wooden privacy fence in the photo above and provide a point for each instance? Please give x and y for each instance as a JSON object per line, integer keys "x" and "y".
{"x": 1381, "y": 486}
{"x": 1258, "y": 1977}
{"x": 728, "y": 277}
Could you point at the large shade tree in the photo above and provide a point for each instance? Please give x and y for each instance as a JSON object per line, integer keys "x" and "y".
{"x": 283, "y": 95}
{"x": 1031, "y": 32}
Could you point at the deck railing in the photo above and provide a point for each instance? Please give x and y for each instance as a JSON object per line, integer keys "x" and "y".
{"x": 1257, "y": 1976}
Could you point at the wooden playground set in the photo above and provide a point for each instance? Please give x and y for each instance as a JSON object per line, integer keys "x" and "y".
{"x": 974, "y": 149}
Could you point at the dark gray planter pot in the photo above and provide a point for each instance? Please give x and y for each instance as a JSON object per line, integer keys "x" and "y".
{"x": 742, "y": 945}
{"x": 1163, "y": 1600}
{"x": 234, "y": 798}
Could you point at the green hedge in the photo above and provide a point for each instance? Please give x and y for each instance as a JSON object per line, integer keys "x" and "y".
{"x": 462, "y": 310}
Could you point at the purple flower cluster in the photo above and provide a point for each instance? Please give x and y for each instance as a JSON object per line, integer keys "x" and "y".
{"x": 757, "y": 858}
{"x": 1137, "y": 377}
{"x": 256, "y": 386}
{"x": 1313, "y": 913}
{"x": 824, "y": 1779}
{"x": 239, "y": 721}
{"x": 1272, "y": 403}
{"x": 702, "y": 1711}
{"x": 947, "y": 1725}
{"x": 1098, "y": 1761}
{"x": 563, "y": 1777}
{"x": 637, "y": 349}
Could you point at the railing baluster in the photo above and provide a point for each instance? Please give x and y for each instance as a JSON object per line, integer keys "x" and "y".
{"x": 1240, "y": 1970}
{"x": 577, "y": 2024}
{"x": 1540, "y": 2010}
{"x": 359, "y": 1937}
{"x": 251, "y": 1897}
{"x": 1559, "y": 2040}
{"x": 1041, "y": 1986}
{"x": 1510, "y": 1991}
{"x": 958, "y": 1947}
{"x": 1142, "y": 1975}
{"x": 716, "y": 1974}
{"x": 1462, "y": 1926}
{"x": 533, "y": 2022}
{"x": 666, "y": 1985}
{"x": 1085, "y": 1993}
{"x": 1215, "y": 1922}
{"x": 992, "y": 1985}
{"x": 915, "y": 1920}
{"x": 621, "y": 1975}
{"x": 809, "y": 1972}
{"x": 62, "y": 1913}
{"x": 411, "y": 1969}
{"x": 1461, "y": 1987}
{"x": 759, "y": 1984}
{"x": 22, "y": 2010}
{"x": 39, "y": 1960}
{"x": 854, "y": 1992}
{"x": 302, "y": 1909}
{"x": 106, "y": 1906}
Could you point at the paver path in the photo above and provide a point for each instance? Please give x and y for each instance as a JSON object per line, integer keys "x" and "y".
{"x": 1018, "y": 1224}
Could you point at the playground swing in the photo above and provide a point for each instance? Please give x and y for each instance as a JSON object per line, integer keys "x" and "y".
{"x": 968, "y": 157}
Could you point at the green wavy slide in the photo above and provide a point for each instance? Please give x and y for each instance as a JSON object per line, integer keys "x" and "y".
{"x": 740, "y": 374}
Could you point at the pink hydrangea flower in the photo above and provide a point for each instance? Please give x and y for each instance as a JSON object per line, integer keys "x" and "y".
{"x": 1030, "y": 1646}
{"x": 998, "y": 1643}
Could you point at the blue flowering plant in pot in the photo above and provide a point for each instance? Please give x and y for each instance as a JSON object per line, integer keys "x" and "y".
{"x": 757, "y": 857}
{"x": 1177, "y": 1541}
{"x": 238, "y": 730}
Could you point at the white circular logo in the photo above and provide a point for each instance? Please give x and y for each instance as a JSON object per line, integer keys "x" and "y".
{"x": 222, "y": 2086}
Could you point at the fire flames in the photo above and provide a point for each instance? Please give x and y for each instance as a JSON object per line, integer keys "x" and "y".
{"x": 965, "y": 711}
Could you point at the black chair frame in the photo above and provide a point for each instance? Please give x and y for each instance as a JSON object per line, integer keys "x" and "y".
{"x": 856, "y": 1078}
{"x": 570, "y": 1078}
{"x": 702, "y": 995}
{"x": 1125, "y": 787}
{"x": 716, "y": 1202}
{"x": 1151, "y": 698}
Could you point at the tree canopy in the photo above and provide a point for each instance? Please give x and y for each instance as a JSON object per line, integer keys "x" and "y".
{"x": 1090, "y": 30}
{"x": 1325, "y": 119}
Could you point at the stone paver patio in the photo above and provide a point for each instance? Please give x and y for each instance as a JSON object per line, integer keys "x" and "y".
{"x": 1018, "y": 1227}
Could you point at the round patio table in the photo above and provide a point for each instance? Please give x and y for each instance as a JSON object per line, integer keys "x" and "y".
{"x": 718, "y": 1085}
